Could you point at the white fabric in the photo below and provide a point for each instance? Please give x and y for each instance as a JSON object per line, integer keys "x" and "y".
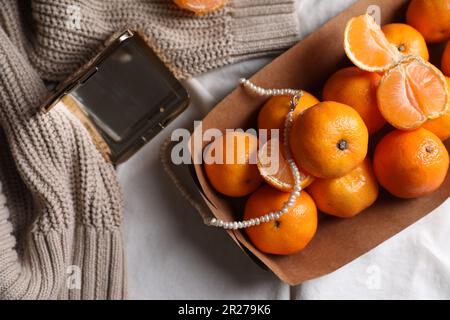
{"x": 171, "y": 254}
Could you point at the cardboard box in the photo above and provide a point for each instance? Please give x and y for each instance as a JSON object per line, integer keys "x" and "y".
{"x": 338, "y": 241}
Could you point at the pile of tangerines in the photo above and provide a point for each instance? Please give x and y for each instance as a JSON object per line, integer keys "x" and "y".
{"x": 392, "y": 86}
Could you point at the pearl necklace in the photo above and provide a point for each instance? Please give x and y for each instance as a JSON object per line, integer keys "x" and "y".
{"x": 297, "y": 94}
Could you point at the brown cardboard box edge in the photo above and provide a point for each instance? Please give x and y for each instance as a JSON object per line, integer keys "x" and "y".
{"x": 338, "y": 241}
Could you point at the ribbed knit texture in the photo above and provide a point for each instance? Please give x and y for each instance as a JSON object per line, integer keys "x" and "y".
{"x": 60, "y": 203}
{"x": 63, "y": 204}
{"x": 67, "y": 32}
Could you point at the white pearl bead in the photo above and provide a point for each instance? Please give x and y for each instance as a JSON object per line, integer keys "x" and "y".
{"x": 257, "y": 221}
{"x": 278, "y": 215}
{"x": 213, "y": 221}
{"x": 220, "y": 223}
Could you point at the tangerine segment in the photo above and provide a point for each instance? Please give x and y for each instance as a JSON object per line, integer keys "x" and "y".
{"x": 367, "y": 47}
{"x": 329, "y": 140}
{"x": 411, "y": 93}
{"x": 201, "y": 6}
{"x": 275, "y": 170}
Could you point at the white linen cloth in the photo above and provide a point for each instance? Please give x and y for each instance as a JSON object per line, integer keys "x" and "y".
{"x": 172, "y": 255}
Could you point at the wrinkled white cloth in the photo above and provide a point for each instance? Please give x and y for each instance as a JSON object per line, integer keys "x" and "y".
{"x": 172, "y": 255}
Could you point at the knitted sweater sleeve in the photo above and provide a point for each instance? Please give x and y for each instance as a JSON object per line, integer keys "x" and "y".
{"x": 60, "y": 207}
{"x": 68, "y": 33}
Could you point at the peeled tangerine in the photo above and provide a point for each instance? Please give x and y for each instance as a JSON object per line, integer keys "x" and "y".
{"x": 411, "y": 90}
{"x": 411, "y": 93}
{"x": 275, "y": 170}
{"x": 346, "y": 196}
{"x": 201, "y": 6}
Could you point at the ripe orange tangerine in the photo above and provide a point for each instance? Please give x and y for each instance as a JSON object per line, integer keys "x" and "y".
{"x": 358, "y": 89}
{"x": 431, "y": 18}
{"x": 329, "y": 140}
{"x": 234, "y": 174}
{"x": 410, "y": 164}
{"x": 406, "y": 39}
{"x": 346, "y": 196}
{"x": 274, "y": 111}
{"x": 288, "y": 234}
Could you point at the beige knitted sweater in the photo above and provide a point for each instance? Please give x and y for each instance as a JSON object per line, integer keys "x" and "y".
{"x": 60, "y": 203}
